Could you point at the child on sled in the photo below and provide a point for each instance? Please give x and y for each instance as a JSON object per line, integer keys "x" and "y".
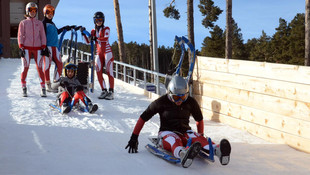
{"x": 71, "y": 91}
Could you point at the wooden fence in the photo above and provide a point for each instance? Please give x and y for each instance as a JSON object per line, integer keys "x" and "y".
{"x": 271, "y": 101}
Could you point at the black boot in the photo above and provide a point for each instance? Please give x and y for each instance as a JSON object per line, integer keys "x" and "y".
{"x": 187, "y": 155}
{"x": 92, "y": 108}
{"x": 223, "y": 151}
{"x": 25, "y": 92}
{"x": 43, "y": 92}
{"x": 65, "y": 108}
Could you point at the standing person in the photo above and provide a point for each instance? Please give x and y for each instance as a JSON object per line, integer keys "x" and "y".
{"x": 104, "y": 56}
{"x": 71, "y": 91}
{"x": 175, "y": 109}
{"x": 32, "y": 43}
{"x": 52, "y": 45}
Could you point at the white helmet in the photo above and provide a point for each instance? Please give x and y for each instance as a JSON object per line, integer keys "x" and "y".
{"x": 178, "y": 89}
{"x": 30, "y": 5}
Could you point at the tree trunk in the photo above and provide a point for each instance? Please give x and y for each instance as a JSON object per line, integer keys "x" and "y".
{"x": 190, "y": 33}
{"x": 151, "y": 42}
{"x": 307, "y": 34}
{"x": 119, "y": 28}
{"x": 228, "y": 49}
{"x": 190, "y": 27}
{"x": 190, "y": 22}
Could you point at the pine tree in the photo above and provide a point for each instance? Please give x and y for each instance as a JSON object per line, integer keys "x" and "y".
{"x": 280, "y": 43}
{"x": 214, "y": 46}
{"x": 210, "y": 11}
{"x": 238, "y": 49}
{"x": 262, "y": 50}
{"x": 297, "y": 40}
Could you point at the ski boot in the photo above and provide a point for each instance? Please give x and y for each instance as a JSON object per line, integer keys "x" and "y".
{"x": 110, "y": 96}
{"x": 92, "y": 108}
{"x": 43, "y": 92}
{"x": 103, "y": 94}
{"x": 188, "y": 154}
{"x": 65, "y": 108}
{"x": 25, "y": 92}
{"x": 223, "y": 151}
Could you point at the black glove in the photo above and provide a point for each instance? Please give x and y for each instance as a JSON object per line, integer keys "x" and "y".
{"x": 72, "y": 27}
{"x": 22, "y": 52}
{"x": 82, "y": 29}
{"x": 67, "y": 27}
{"x": 133, "y": 144}
{"x": 45, "y": 52}
{"x": 64, "y": 27}
{"x": 93, "y": 38}
{"x": 79, "y": 88}
{"x": 64, "y": 83}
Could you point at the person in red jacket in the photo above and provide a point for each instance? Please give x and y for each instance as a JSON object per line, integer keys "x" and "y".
{"x": 104, "y": 55}
{"x": 32, "y": 43}
{"x": 175, "y": 109}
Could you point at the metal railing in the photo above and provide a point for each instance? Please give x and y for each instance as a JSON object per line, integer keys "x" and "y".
{"x": 140, "y": 77}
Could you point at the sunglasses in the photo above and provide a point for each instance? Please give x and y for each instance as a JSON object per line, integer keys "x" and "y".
{"x": 179, "y": 97}
{"x": 32, "y": 9}
{"x": 48, "y": 12}
{"x": 98, "y": 20}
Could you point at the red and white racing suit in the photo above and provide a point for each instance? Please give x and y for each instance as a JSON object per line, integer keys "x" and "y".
{"x": 104, "y": 56}
{"x": 31, "y": 38}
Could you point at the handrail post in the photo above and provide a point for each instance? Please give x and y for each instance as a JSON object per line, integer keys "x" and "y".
{"x": 125, "y": 73}
{"x": 144, "y": 76}
{"x": 134, "y": 77}
{"x": 157, "y": 83}
{"x": 116, "y": 71}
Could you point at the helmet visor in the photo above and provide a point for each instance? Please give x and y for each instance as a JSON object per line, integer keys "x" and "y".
{"x": 98, "y": 20}
{"x": 179, "y": 97}
{"x": 49, "y": 12}
{"x": 32, "y": 9}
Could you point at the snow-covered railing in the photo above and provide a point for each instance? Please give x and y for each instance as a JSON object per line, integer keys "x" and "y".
{"x": 129, "y": 73}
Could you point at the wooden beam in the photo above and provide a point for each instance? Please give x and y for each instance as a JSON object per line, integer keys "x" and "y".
{"x": 279, "y": 88}
{"x": 291, "y": 73}
{"x": 278, "y": 122}
{"x": 263, "y": 132}
{"x": 286, "y": 107}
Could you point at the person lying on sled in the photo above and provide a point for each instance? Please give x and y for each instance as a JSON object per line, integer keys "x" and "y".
{"x": 175, "y": 109}
{"x": 71, "y": 91}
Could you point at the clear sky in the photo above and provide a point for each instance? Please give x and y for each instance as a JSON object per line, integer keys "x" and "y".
{"x": 252, "y": 16}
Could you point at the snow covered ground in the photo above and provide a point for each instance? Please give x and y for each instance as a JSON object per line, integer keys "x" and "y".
{"x": 34, "y": 139}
